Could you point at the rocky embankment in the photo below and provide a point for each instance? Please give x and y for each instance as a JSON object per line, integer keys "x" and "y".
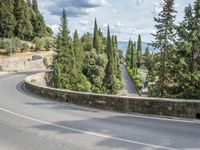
{"x": 30, "y": 61}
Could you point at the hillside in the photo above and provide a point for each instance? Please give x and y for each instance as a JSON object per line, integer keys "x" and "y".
{"x": 123, "y": 46}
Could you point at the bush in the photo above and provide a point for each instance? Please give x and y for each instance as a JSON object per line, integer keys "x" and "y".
{"x": 45, "y": 62}
{"x": 25, "y": 47}
{"x": 11, "y": 45}
{"x": 45, "y": 43}
{"x": 1, "y": 68}
{"x": 38, "y": 43}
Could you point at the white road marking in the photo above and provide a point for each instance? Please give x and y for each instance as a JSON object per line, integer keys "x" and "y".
{"x": 87, "y": 132}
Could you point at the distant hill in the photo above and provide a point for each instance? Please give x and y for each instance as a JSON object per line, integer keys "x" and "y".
{"x": 123, "y": 46}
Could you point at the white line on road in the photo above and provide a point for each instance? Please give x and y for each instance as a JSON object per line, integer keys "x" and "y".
{"x": 88, "y": 133}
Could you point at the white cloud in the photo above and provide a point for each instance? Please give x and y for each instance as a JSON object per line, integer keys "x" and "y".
{"x": 83, "y": 22}
{"x": 55, "y": 28}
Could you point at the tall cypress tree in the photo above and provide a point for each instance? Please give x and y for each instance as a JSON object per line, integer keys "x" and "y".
{"x": 40, "y": 29}
{"x": 24, "y": 27}
{"x": 163, "y": 41}
{"x": 56, "y": 75}
{"x": 78, "y": 52}
{"x": 133, "y": 63}
{"x": 110, "y": 75}
{"x": 128, "y": 53}
{"x": 139, "y": 52}
{"x": 96, "y": 37}
{"x": 7, "y": 19}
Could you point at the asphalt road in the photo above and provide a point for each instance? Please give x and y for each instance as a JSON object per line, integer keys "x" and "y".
{"x": 29, "y": 122}
{"x": 129, "y": 86}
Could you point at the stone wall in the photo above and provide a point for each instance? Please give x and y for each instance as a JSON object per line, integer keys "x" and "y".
{"x": 143, "y": 105}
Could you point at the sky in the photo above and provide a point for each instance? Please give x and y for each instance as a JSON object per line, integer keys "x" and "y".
{"x": 127, "y": 18}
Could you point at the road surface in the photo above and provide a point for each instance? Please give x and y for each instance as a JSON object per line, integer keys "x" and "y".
{"x": 129, "y": 86}
{"x": 29, "y": 122}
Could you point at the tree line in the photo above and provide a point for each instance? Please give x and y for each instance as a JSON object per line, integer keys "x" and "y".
{"x": 178, "y": 63}
{"x": 90, "y": 63}
{"x": 22, "y": 19}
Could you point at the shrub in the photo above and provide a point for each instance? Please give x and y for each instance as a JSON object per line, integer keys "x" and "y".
{"x": 45, "y": 62}
{"x": 38, "y": 43}
{"x": 45, "y": 43}
{"x": 1, "y": 68}
{"x": 24, "y": 47}
{"x": 11, "y": 45}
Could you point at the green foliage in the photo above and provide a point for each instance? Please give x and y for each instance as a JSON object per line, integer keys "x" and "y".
{"x": 139, "y": 52}
{"x": 78, "y": 52}
{"x": 7, "y": 18}
{"x": 44, "y": 43}
{"x": 39, "y": 43}
{"x": 25, "y": 47}
{"x": 112, "y": 81}
{"x": 56, "y": 75}
{"x": 83, "y": 63}
{"x": 45, "y": 62}
{"x": 96, "y": 37}
{"x": 94, "y": 70}
{"x": 164, "y": 38}
{"x": 11, "y": 45}
{"x": 22, "y": 19}
{"x": 86, "y": 41}
{"x": 23, "y": 28}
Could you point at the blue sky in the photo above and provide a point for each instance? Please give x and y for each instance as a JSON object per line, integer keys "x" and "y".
{"x": 127, "y": 18}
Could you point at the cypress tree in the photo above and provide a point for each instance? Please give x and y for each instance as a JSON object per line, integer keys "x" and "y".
{"x": 96, "y": 37}
{"x": 133, "y": 61}
{"x": 128, "y": 53}
{"x": 29, "y": 3}
{"x": 139, "y": 52}
{"x": 163, "y": 40}
{"x": 110, "y": 75}
{"x": 24, "y": 27}
{"x": 56, "y": 75}
{"x": 7, "y": 19}
{"x": 78, "y": 52}
{"x": 40, "y": 29}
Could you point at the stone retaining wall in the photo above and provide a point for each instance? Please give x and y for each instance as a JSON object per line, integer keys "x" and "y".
{"x": 143, "y": 105}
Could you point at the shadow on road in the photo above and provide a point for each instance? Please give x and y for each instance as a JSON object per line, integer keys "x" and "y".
{"x": 126, "y": 127}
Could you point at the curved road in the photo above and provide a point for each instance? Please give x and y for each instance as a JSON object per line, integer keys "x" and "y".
{"x": 29, "y": 122}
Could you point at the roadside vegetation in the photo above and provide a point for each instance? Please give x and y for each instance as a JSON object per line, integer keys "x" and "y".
{"x": 90, "y": 63}
{"x": 174, "y": 72}
{"x": 22, "y": 28}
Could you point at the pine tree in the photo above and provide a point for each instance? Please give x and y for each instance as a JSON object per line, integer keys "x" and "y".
{"x": 96, "y": 37}
{"x": 163, "y": 41}
{"x": 187, "y": 69}
{"x": 65, "y": 55}
{"x": 24, "y": 27}
{"x": 7, "y": 19}
{"x": 139, "y": 52}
